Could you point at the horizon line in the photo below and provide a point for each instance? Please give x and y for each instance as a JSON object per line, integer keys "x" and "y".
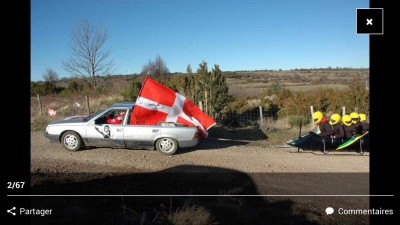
{"x": 226, "y": 71}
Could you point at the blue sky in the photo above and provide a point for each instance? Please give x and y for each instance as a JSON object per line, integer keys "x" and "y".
{"x": 235, "y": 34}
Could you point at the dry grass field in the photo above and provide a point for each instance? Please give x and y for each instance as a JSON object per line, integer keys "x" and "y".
{"x": 243, "y": 84}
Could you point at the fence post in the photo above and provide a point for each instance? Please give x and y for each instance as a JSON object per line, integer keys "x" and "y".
{"x": 201, "y": 105}
{"x": 312, "y": 113}
{"x": 87, "y": 103}
{"x": 261, "y": 113}
{"x": 343, "y": 110}
{"x": 40, "y": 104}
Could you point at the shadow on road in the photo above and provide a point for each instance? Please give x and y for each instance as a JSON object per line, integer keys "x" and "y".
{"x": 215, "y": 195}
{"x": 220, "y": 138}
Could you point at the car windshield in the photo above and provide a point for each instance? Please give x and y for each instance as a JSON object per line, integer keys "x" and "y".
{"x": 93, "y": 115}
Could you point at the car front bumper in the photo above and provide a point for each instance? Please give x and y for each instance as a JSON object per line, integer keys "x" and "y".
{"x": 53, "y": 138}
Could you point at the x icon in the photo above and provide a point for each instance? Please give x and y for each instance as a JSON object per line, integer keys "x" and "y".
{"x": 369, "y": 22}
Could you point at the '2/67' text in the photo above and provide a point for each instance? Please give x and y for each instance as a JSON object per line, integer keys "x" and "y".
{"x": 15, "y": 185}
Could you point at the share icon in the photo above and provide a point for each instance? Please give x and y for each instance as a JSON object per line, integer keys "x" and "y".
{"x": 11, "y": 211}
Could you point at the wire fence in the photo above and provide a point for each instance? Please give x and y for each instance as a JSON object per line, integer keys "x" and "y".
{"x": 247, "y": 118}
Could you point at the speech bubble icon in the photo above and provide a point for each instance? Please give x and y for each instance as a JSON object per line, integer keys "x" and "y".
{"x": 329, "y": 210}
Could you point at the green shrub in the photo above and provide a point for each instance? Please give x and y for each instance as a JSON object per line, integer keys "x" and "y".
{"x": 74, "y": 86}
{"x": 42, "y": 88}
{"x": 64, "y": 93}
{"x": 131, "y": 92}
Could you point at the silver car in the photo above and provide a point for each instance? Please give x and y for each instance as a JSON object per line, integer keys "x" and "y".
{"x": 111, "y": 128}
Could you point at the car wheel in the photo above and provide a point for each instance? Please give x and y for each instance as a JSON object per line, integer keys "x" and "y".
{"x": 166, "y": 146}
{"x": 71, "y": 141}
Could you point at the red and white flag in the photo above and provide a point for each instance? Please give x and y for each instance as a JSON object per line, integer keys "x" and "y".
{"x": 52, "y": 112}
{"x": 157, "y": 103}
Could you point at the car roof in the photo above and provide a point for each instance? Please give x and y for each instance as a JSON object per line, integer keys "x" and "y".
{"x": 123, "y": 105}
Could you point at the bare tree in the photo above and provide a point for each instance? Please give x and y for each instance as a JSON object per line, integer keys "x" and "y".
{"x": 88, "y": 57}
{"x": 157, "y": 68}
{"x": 50, "y": 76}
{"x": 147, "y": 69}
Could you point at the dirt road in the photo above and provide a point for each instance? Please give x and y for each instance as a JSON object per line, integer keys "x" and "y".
{"x": 238, "y": 156}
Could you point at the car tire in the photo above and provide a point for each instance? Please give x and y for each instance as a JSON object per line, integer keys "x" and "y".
{"x": 166, "y": 146}
{"x": 71, "y": 141}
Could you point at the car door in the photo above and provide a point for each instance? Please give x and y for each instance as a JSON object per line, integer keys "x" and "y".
{"x": 141, "y": 136}
{"x": 99, "y": 133}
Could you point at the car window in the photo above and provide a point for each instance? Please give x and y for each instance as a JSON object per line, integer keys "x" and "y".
{"x": 114, "y": 116}
{"x": 103, "y": 119}
{"x": 93, "y": 115}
